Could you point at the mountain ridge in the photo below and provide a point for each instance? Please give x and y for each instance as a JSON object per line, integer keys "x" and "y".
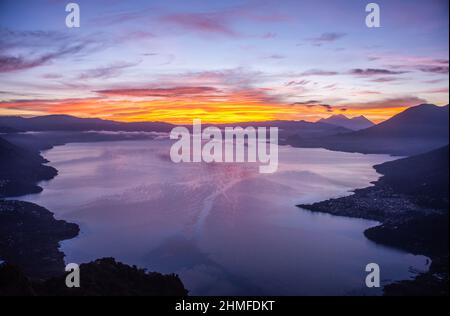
{"x": 414, "y": 131}
{"x": 354, "y": 123}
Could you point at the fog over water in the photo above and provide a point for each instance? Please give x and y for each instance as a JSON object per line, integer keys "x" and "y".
{"x": 224, "y": 228}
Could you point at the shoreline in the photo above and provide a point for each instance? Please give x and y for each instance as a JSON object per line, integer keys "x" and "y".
{"x": 386, "y": 203}
{"x": 405, "y": 224}
{"x": 31, "y": 261}
{"x": 378, "y": 219}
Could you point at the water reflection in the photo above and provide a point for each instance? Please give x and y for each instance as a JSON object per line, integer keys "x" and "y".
{"x": 224, "y": 228}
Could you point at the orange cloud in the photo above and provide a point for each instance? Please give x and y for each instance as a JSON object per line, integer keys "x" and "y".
{"x": 180, "y": 105}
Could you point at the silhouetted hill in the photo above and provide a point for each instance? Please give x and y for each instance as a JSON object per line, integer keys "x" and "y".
{"x": 30, "y": 236}
{"x": 425, "y": 177}
{"x": 106, "y": 277}
{"x": 416, "y": 130}
{"x": 21, "y": 169}
{"x": 72, "y": 123}
{"x": 303, "y": 128}
{"x": 422, "y": 121}
{"x": 7, "y": 129}
{"x": 355, "y": 123}
{"x": 102, "y": 277}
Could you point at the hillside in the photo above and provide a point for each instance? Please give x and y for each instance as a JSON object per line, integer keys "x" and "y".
{"x": 355, "y": 123}
{"x": 21, "y": 169}
{"x": 414, "y": 131}
{"x": 72, "y": 123}
{"x": 102, "y": 277}
{"x": 422, "y": 121}
{"x": 7, "y": 130}
{"x": 425, "y": 177}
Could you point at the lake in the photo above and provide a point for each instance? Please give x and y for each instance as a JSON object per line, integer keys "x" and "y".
{"x": 225, "y": 229}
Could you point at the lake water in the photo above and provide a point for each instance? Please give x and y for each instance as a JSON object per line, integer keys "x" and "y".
{"x": 224, "y": 228}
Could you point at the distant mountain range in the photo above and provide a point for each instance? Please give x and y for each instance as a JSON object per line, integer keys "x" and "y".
{"x": 10, "y": 124}
{"x": 416, "y": 130}
{"x": 72, "y": 123}
{"x": 6, "y": 129}
{"x": 422, "y": 121}
{"x": 355, "y": 123}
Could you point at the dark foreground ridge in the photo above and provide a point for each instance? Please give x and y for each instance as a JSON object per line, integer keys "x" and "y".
{"x": 21, "y": 170}
{"x": 102, "y": 277}
{"x": 29, "y": 243}
{"x": 411, "y": 202}
{"x": 30, "y": 236}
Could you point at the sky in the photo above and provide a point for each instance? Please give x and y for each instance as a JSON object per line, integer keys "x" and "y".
{"x": 222, "y": 61}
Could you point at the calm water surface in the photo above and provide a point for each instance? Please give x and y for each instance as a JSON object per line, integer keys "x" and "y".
{"x": 224, "y": 228}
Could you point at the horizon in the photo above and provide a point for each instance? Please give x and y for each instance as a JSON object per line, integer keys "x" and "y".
{"x": 238, "y": 61}
{"x": 207, "y": 122}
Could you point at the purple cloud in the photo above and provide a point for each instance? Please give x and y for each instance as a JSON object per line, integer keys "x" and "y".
{"x": 297, "y": 83}
{"x": 203, "y": 22}
{"x": 318, "y": 72}
{"x": 326, "y": 38}
{"x": 434, "y": 69}
{"x": 314, "y": 103}
{"x": 374, "y": 72}
{"x": 16, "y": 63}
{"x": 275, "y": 56}
{"x": 104, "y": 72}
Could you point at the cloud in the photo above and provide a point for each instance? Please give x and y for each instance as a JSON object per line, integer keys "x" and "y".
{"x": 374, "y": 72}
{"x": 29, "y": 43}
{"x": 405, "y": 101}
{"x": 269, "y": 35}
{"x": 234, "y": 77}
{"x": 121, "y": 17}
{"x": 384, "y": 79}
{"x": 297, "y": 83}
{"x": 318, "y": 72}
{"x": 314, "y": 103}
{"x": 203, "y": 22}
{"x": 10, "y": 39}
{"x": 417, "y": 63}
{"x": 136, "y": 36}
{"x": 439, "y": 90}
{"x": 433, "y": 81}
{"x": 330, "y": 86}
{"x": 46, "y": 105}
{"x": 275, "y": 56}
{"x": 160, "y": 92}
{"x": 434, "y": 69}
{"x": 309, "y": 102}
{"x": 10, "y": 63}
{"x": 326, "y": 38}
{"x": 104, "y": 72}
{"x": 220, "y": 22}
{"x": 52, "y": 76}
